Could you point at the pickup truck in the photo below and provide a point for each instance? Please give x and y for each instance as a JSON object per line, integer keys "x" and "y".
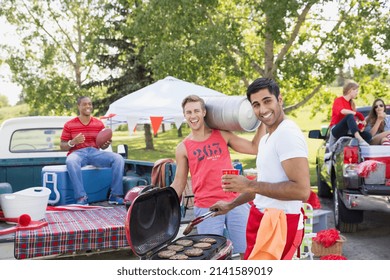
{"x": 28, "y": 144}
{"x": 338, "y": 176}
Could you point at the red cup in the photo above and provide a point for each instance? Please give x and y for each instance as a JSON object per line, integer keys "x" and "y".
{"x": 230, "y": 171}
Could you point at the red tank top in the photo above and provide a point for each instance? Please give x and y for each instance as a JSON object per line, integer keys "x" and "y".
{"x": 206, "y": 160}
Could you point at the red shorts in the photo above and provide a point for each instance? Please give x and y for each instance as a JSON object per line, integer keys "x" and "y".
{"x": 294, "y": 236}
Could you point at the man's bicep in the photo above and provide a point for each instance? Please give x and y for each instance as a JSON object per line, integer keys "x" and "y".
{"x": 297, "y": 170}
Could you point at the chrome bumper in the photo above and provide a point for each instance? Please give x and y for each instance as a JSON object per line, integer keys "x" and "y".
{"x": 365, "y": 202}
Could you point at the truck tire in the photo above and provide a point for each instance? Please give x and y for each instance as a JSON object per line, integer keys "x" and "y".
{"x": 323, "y": 188}
{"x": 346, "y": 220}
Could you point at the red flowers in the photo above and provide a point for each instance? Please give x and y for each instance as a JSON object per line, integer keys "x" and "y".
{"x": 332, "y": 257}
{"x": 314, "y": 201}
{"x": 327, "y": 237}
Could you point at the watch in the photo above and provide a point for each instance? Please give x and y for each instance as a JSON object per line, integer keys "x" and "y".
{"x": 70, "y": 144}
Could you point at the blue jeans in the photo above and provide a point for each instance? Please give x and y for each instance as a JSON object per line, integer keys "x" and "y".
{"x": 234, "y": 222}
{"x": 348, "y": 123}
{"x": 98, "y": 158}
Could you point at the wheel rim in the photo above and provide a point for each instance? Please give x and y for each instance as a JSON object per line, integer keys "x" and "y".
{"x": 336, "y": 206}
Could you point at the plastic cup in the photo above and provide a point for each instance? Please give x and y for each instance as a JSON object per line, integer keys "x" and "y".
{"x": 251, "y": 174}
{"x": 230, "y": 171}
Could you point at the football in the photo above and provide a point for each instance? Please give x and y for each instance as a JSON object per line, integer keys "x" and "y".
{"x": 103, "y": 136}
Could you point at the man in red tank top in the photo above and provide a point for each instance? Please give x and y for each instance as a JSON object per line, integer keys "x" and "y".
{"x": 204, "y": 153}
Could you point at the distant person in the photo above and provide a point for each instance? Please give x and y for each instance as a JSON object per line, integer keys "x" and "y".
{"x": 204, "y": 153}
{"x": 275, "y": 224}
{"x": 345, "y": 118}
{"x": 79, "y": 138}
{"x": 378, "y": 123}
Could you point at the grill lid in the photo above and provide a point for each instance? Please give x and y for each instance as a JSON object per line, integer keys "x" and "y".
{"x": 153, "y": 220}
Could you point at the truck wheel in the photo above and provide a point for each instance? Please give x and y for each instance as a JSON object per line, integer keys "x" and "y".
{"x": 345, "y": 220}
{"x": 323, "y": 188}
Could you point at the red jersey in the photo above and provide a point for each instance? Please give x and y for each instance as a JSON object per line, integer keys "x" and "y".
{"x": 74, "y": 126}
{"x": 206, "y": 160}
{"x": 339, "y": 104}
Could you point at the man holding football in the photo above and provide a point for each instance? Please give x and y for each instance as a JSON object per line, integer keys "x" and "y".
{"x": 79, "y": 139}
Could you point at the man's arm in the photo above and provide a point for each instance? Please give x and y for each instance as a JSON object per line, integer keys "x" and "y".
{"x": 242, "y": 145}
{"x": 222, "y": 207}
{"x": 181, "y": 175}
{"x": 67, "y": 145}
{"x": 296, "y": 188}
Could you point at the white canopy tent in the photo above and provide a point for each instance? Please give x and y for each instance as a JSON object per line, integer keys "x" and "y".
{"x": 156, "y": 103}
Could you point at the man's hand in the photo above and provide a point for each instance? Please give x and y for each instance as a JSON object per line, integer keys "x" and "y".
{"x": 221, "y": 208}
{"x": 235, "y": 183}
{"x": 80, "y": 138}
{"x": 106, "y": 145}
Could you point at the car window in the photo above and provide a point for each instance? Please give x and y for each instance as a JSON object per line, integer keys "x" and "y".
{"x": 36, "y": 140}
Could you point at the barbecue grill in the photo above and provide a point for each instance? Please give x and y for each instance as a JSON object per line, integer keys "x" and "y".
{"x": 153, "y": 222}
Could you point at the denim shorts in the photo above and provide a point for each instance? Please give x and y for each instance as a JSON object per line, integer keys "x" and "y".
{"x": 232, "y": 225}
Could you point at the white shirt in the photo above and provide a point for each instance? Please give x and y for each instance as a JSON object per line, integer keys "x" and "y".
{"x": 286, "y": 142}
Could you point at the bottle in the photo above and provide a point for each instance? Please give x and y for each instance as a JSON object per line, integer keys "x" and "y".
{"x": 237, "y": 165}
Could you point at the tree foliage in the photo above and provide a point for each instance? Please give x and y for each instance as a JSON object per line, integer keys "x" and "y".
{"x": 3, "y": 101}
{"x": 117, "y": 51}
{"x": 55, "y": 59}
{"x": 227, "y": 44}
{"x": 107, "y": 49}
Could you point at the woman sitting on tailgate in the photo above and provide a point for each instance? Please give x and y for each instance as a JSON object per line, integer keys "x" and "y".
{"x": 345, "y": 118}
{"x": 378, "y": 123}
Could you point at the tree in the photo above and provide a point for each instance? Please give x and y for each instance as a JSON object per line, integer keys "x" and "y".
{"x": 3, "y": 101}
{"x": 226, "y": 44}
{"x": 54, "y": 61}
{"x": 117, "y": 51}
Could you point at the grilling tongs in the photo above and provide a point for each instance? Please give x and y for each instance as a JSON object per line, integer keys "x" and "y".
{"x": 196, "y": 221}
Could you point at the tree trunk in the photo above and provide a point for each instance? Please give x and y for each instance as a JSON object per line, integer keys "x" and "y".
{"x": 148, "y": 137}
{"x": 180, "y": 132}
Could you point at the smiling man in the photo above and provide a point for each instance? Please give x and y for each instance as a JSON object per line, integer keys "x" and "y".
{"x": 204, "y": 153}
{"x": 79, "y": 139}
{"x": 275, "y": 224}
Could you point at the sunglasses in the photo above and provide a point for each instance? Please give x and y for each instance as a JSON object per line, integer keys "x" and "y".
{"x": 379, "y": 105}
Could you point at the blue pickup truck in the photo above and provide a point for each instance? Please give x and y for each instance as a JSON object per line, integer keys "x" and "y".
{"x": 28, "y": 144}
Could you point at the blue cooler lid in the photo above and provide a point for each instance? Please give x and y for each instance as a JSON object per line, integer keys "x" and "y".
{"x": 153, "y": 220}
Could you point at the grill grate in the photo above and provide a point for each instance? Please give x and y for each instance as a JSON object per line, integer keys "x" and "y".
{"x": 207, "y": 254}
{"x": 154, "y": 242}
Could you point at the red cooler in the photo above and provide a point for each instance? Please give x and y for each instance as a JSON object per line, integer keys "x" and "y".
{"x": 378, "y": 153}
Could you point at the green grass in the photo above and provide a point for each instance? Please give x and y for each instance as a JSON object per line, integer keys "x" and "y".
{"x": 13, "y": 112}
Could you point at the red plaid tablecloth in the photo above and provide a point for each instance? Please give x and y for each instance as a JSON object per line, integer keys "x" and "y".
{"x": 72, "y": 231}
